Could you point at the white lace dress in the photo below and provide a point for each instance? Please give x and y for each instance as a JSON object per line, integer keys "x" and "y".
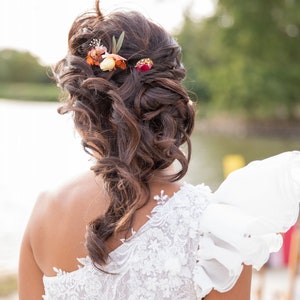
{"x": 196, "y": 240}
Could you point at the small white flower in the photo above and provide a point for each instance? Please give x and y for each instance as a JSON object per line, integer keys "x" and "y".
{"x": 162, "y": 198}
{"x": 154, "y": 245}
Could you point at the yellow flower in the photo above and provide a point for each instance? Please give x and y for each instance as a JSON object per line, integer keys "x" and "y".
{"x": 112, "y": 61}
{"x": 107, "y": 64}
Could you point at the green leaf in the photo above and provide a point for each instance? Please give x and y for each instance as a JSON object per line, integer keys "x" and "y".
{"x": 114, "y": 47}
{"x": 120, "y": 42}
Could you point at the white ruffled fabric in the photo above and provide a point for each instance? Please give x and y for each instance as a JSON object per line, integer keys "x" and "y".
{"x": 196, "y": 240}
{"x": 246, "y": 213}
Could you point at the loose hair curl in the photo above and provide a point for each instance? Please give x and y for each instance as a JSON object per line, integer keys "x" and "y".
{"x": 132, "y": 123}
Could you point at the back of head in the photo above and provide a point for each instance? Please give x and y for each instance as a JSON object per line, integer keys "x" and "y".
{"x": 132, "y": 122}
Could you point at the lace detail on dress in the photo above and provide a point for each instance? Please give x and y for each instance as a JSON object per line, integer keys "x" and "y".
{"x": 155, "y": 263}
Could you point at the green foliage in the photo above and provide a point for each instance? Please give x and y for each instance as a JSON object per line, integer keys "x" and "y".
{"x": 246, "y": 57}
{"x": 22, "y": 77}
{"x": 17, "y": 66}
{"x": 29, "y": 91}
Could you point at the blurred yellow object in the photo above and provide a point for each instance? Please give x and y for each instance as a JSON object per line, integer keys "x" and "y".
{"x": 232, "y": 162}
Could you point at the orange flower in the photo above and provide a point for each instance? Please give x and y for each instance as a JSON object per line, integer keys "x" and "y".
{"x": 121, "y": 64}
{"x": 94, "y": 56}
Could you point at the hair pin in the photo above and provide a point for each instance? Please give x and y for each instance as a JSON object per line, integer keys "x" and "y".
{"x": 144, "y": 64}
{"x": 99, "y": 56}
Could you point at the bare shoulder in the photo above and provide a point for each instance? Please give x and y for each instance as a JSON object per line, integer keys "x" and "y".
{"x": 58, "y": 222}
{"x": 73, "y": 198}
{"x": 78, "y": 192}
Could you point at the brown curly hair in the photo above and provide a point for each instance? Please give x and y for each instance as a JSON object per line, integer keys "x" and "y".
{"x": 132, "y": 123}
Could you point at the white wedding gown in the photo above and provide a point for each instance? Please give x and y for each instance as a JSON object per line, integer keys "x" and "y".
{"x": 196, "y": 240}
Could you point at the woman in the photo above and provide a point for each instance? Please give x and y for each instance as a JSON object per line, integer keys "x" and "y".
{"x": 130, "y": 228}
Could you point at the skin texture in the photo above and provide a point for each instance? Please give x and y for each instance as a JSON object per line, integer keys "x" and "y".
{"x": 55, "y": 234}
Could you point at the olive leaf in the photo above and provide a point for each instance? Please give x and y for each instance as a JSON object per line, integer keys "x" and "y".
{"x": 116, "y": 46}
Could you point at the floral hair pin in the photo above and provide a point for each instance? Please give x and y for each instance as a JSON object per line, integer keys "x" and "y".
{"x": 144, "y": 64}
{"x": 99, "y": 56}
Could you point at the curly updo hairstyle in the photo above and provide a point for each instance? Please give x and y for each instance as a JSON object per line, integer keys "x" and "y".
{"x": 132, "y": 123}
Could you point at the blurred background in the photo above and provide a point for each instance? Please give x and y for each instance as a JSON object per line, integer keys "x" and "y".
{"x": 243, "y": 70}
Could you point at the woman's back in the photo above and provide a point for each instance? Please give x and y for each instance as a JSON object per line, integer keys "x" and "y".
{"x": 63, "y": 214}
{"x": 156, "y": 261}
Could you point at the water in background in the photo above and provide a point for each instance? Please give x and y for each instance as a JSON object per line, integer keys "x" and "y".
{"x": 39, "y": 149}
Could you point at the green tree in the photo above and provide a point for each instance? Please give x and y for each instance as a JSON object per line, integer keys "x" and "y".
{"x": 246, "y": 57}
{"x": 18, "y": 66}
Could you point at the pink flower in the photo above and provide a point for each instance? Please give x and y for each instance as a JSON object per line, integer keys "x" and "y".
{"x": 144, "y": 64}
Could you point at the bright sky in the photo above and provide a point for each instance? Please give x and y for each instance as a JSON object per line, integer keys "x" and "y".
{"x": 41, "y": 27}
